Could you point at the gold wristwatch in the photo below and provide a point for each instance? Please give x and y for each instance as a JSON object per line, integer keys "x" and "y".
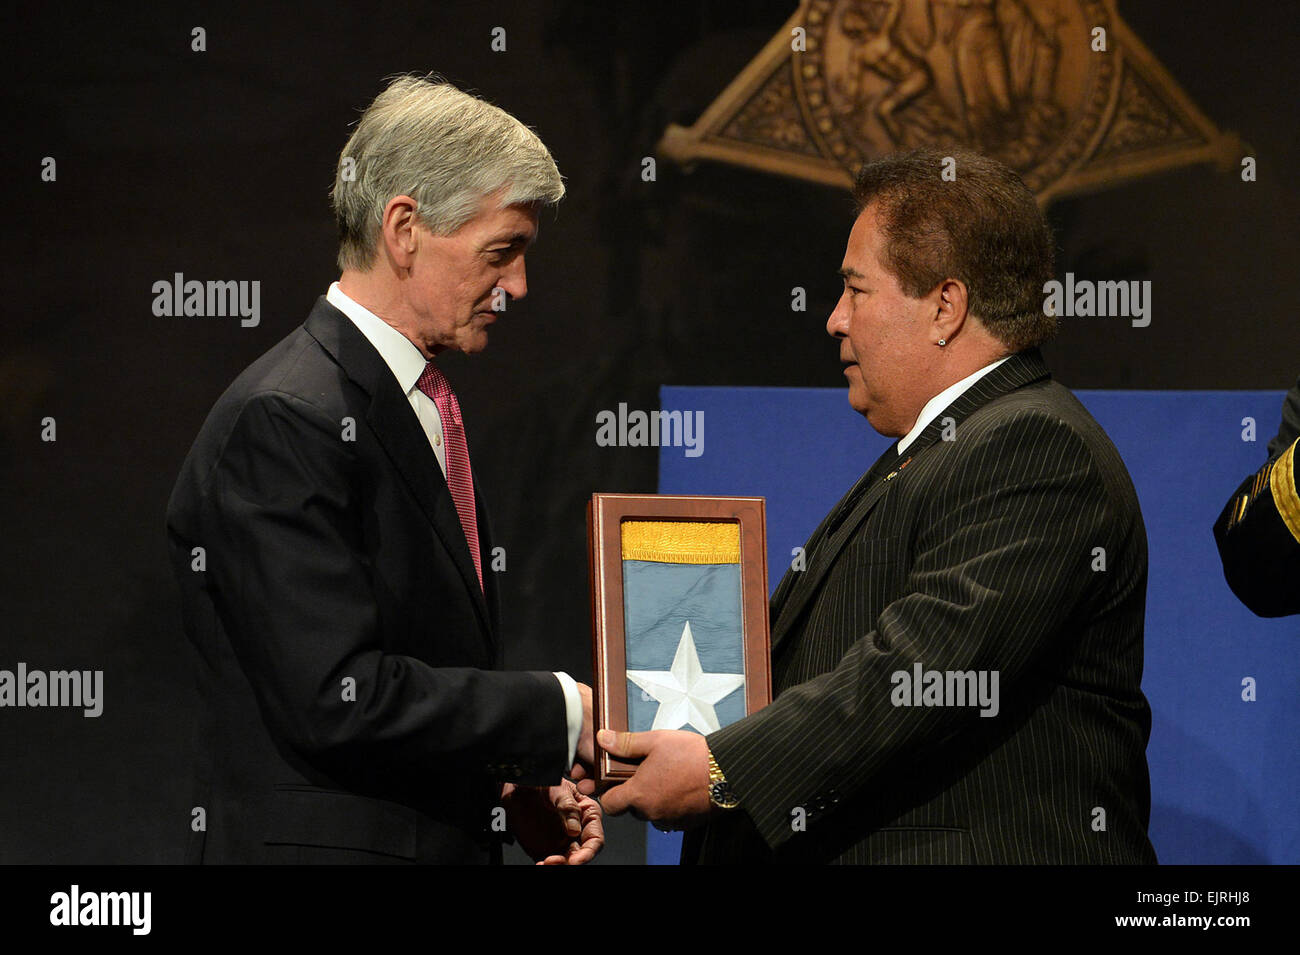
{"x": 720, "y": 793}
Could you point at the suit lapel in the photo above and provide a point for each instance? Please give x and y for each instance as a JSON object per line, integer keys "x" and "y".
{"x": 491, "y": 595}
{"x": 826, "y": 543}
{"x": 836, "y": 531}
{"x": 404, "y": 441}
{"x": 1019, "y": 370}
{"x": 833, "y": 519}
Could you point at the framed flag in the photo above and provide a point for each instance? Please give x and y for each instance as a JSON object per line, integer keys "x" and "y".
{"x": 679, "y": 614}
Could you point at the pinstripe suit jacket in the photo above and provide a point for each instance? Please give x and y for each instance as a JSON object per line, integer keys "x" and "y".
{"x": 1018, "y": 547}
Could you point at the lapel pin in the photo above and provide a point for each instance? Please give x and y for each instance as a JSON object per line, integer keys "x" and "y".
{"x": 894, "y": 473}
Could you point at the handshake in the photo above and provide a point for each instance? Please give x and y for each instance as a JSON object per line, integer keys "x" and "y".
{"x": 562, "y": 825}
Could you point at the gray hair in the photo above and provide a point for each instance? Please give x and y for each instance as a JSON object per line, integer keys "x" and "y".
{"x": 446, "y": 149}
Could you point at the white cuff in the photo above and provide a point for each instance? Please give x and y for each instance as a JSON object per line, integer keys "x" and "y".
{"x": 573, "y": 710}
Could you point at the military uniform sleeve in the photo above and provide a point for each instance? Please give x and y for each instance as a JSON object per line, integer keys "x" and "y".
{"x": 1258, "y": 534}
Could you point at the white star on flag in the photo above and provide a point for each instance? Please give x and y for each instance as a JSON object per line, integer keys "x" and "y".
{"x": 686, "y": 693}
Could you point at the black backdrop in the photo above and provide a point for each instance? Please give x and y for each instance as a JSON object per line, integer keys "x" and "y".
{"x": 218, "y": 164}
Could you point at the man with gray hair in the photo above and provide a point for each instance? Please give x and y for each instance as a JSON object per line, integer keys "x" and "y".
{"x": 329, "y": 542}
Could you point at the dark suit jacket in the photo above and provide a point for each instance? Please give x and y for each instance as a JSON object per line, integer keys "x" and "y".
{"x": 1258, "y": 532}
{"x": 976, "y": 553}
{"x": 351, "y": 706}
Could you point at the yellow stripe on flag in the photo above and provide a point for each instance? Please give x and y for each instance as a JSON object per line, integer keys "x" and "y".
{"x": 681, "y": 542}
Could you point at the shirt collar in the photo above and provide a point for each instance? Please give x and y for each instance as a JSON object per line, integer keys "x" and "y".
{"x": 398, "y": 352}
{"x": 942, "y": 400}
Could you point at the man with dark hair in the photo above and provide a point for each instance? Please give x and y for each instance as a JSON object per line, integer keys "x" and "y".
{"x": 985, "y": 228}
{"x": 957, "y": 672}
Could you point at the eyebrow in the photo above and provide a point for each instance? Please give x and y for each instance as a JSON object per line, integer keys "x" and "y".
{"x": 848, "y": 273}
{"x": 515, "y": 239}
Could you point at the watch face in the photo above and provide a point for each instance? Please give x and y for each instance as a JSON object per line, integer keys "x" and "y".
{"x": 721, "y": 795}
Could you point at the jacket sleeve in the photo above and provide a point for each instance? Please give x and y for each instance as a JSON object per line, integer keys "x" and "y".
{"x": 1002, "y": 561}
{"x": 287, "y": 573}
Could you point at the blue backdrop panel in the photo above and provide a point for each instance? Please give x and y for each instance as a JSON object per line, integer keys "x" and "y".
{"x": 1224, "y": 772}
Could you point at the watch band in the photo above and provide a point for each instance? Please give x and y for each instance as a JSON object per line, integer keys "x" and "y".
{"x": 720, "y": 793}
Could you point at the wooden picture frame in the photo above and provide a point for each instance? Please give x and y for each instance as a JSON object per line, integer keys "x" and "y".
{"x": 606, "y": 515}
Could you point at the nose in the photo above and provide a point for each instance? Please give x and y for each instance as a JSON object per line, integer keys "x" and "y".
{"x": 838, "y": 323}
{"x": 515, "y": 278}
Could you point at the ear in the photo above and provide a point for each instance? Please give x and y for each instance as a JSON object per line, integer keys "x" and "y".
{"x": 951, "y": 308}
{"x": 397, "y": 231}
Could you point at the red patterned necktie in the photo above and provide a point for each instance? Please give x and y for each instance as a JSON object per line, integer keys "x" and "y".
{"x": 459, "y": 480}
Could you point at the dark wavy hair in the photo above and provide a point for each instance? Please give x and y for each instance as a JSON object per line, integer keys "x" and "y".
{"x": 982, "y": 227}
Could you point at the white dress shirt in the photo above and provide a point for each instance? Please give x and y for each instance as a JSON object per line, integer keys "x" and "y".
{"x": 407, "y": 364}
{"x": 942, "y": 400}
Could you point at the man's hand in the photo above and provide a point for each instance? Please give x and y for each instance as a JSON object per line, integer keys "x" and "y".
{"x": 584, "y": 769}
{"x": 671, "y": 786}
{"x": 555, "y": 826}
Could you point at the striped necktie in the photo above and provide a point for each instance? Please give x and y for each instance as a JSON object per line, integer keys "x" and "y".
{"x": 459, "y": 480}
